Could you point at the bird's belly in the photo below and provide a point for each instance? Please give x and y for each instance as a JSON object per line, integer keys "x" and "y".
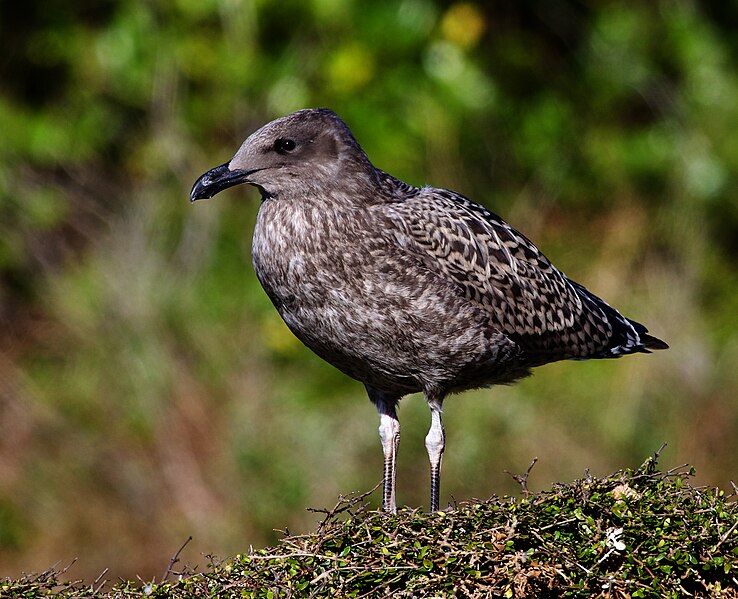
{"x": 383, "y": 332}
{"x": 344, "y": 328}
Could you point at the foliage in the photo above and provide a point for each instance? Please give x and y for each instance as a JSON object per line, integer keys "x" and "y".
{"x": 637, "y": 533}
{"x": 148, "y": 391}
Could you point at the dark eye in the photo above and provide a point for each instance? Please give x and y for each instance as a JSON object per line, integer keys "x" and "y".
{"x": 283, "y": 146}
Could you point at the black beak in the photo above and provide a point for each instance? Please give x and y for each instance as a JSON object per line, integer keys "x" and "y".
{"x": 217, "y": 179}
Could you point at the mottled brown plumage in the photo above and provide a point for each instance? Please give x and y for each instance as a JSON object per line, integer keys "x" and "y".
{"x": 403, "y": 288}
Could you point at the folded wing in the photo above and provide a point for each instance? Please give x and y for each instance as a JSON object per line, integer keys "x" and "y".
{"x": 500, "y": 269}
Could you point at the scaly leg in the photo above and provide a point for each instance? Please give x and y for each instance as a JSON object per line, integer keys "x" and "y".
{"x": 389, "y": 434}
{"x": 435, "y": 443}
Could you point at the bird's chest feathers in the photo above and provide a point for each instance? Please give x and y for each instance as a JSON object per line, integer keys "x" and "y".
{"x": 296, "y": 252}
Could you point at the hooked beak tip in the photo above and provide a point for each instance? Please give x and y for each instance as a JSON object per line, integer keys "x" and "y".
{"x": 215, "y": 180}
{"x": 196, "y": 195}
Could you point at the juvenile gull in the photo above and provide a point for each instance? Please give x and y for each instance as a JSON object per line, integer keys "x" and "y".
{"x": 404, "y": 288}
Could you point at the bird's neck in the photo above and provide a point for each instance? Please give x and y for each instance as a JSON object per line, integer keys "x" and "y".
{"x": 331, "y": 190}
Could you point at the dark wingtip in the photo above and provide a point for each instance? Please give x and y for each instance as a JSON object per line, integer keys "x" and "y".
{"x": 652, "y": 342}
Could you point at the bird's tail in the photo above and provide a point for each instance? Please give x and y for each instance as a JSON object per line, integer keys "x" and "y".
{"x": 628, "y": 336}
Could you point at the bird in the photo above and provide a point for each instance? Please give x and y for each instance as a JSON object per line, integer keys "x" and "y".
{"x": 405, "y": 289}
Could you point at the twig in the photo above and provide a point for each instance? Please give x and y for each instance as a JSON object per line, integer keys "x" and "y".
{"x": 175, "y": 559}
{"x": 280, "y": 556}
{"x": 64, "y": 570}
{"x": 562, "y": 523}
{"x": 344, "y": 503}
{"x": 735, "y": 488}
{"x": 96, "y": 589}
{"x": 607, "y": 554}
{"x": 675, "y": 469}
{"x": 654, "y": 459}
{"x": 725, "y": 536}
{"x": 322, "y": 575}
{"x": 522, "y": 479}
{"x": 103, "y": 573}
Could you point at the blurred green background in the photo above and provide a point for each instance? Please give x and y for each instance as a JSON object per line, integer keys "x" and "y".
{"x": 149, "y": 391}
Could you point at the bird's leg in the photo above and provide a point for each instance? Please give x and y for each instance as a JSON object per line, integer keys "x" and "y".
{"x": 389, "y": 433}
{"x": 435, "y": 443}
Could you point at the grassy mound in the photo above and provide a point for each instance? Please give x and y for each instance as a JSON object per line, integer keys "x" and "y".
{"x": 637, "y": 533}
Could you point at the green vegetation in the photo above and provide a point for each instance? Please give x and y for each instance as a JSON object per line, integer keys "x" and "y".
{"x": 637, "y": 533}
{"x": 148, "y": 390}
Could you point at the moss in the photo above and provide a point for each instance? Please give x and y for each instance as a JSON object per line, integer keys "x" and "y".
{"x": 637, "y": 533}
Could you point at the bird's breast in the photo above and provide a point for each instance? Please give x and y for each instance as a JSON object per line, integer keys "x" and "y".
{"x": 311, "y": 263}
{"x": 296, "y": 252}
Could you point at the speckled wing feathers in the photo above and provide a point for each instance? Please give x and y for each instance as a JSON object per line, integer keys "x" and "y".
{"x": 497, "y": 267}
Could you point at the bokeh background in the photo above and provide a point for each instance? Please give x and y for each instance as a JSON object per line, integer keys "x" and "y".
{"x": 148, "y": 390}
